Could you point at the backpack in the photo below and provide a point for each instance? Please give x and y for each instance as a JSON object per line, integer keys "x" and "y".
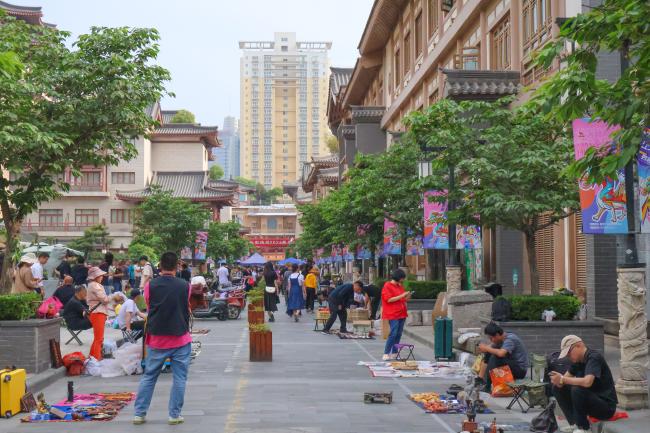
{"x": 501, "y": 310}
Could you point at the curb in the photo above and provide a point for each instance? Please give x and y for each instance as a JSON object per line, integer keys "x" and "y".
{"x": 418, "y": 338}
{"x": 40, "y": 381}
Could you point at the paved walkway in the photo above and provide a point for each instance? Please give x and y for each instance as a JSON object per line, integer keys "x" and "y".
{"x": 313, "y": 385}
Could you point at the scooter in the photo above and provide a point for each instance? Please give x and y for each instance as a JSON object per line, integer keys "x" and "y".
{"x": 236, "y": 299}
{"x": 217, "y": 307}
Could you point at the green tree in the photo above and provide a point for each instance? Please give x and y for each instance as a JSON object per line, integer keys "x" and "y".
{"x": 246, "y": 182}
{"x": 137, "y": 250}
{"x": 94, "y": 238}
{"x": 574, "y": 91}
{"x": 216, "y": 172}
{"x": 168, "y": 223}
{"x": 183, "y": 116}
{"x": 332, "y": 143}
{"x": 510, "y": 166}
{"x": 226, "y": 242}
{"x": 71, "y": 105}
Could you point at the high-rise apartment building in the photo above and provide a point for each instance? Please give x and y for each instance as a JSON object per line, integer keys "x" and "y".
{"x": 284, "y": 89}
{"x": 227, "y": 156}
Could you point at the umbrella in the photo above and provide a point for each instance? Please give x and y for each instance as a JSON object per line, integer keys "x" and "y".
{"x": 254, "y": 260}
{"x": 291, "y": 261}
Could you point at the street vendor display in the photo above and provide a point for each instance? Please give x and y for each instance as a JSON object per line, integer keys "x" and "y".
{"x": 442, "y": 370}
{"x": 83, "y": 407}
{"x": 433, "y": 402}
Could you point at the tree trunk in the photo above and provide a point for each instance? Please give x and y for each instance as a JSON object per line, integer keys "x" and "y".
{"x": 532, "y": 262}
{"x": 13, "y": 234}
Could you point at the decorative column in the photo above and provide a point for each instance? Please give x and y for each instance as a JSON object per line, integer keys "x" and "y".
{"x": 454, "y": 279}
{"x": 632, "y": 387}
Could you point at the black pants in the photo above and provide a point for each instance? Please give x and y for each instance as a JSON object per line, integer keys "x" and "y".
{"x": 494, "y": 362}
{"x": 335, "y": 312}
{"x": 311, "y": 297}
{"x": 577, "y": 402}
{"x": 374, "y": 306}
{"x": 79, "y": 324}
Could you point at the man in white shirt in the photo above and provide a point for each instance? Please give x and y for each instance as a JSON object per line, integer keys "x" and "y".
{"x": 222, "y": 274}
{"x": 37, "y": 269}
{"x": 129, "y": 316}
{"x": 147, "y": 271}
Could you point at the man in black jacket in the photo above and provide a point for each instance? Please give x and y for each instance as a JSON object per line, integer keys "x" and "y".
{"x": 75, "y": 311}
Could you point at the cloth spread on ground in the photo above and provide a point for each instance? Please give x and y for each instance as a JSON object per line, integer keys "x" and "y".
{"x": 85, "y": 407}
{"x": 441, "y": 370}
{"x": 348, "y": 336}
{"x": 432, "y": 402}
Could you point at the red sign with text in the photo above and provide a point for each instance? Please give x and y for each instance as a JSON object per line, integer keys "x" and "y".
{"x": 271, "y": 243}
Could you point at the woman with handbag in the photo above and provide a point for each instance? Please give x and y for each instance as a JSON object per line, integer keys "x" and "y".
{"x": 98, "y": 302}
{"x": 271, "y": 298}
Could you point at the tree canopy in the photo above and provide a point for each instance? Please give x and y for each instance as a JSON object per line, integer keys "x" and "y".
{"x": 66, "y": 105}
{"x": 95, "y": 237}
{"x": 167, "y": 223}
{"x": 574, "y": 91}
{"x": 183, "y": 116}
{"x": 216, "y": 172}
{"x": 226, "y": 242}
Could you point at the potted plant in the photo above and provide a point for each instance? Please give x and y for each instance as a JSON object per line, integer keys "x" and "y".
{"x": 255, "y": 315}
{"x": 260, "y": 343}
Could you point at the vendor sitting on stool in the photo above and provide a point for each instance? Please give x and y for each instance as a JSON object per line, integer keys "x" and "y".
{"x": 75, "y": 311}
{"x": 587, "y": 389}
{"x": 506, "y": 349}
{"x": 129, "y": 316}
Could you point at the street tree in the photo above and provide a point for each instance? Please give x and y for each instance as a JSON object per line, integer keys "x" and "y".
{"x": 332, "y": 143}
{"x": 509, "y": 165}
{"x": 216, "y": 172}
{"x": 226, "y": 242}
{"x": 93, "y": 239}
{"x": 71, "y": 105}
{"x": 574, "y": 91}
{"x": 168, "y": 223}
{"x": 183, "y": 116}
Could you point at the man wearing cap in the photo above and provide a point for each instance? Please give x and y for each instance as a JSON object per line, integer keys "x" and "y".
{"x": 24, "y": 280}
{"x": 587, "y": 389}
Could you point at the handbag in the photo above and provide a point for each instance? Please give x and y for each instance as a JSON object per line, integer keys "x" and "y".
{"x": 270, "y": 289}
{"x": 50, "y": 307}
{"x": 545, "y": 422}
{"x": 500, "y": 377}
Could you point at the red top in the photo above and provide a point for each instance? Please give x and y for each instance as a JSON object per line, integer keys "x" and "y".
{"x": 392, "y": 310}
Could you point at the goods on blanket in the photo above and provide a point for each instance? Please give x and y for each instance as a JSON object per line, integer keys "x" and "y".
{"x": 500, "y": 377}
{"x": 404, "y": 365}
{"x": 84, "y": 407}
{"x": 425, "y": 397}
{"x": 378, "y": 397}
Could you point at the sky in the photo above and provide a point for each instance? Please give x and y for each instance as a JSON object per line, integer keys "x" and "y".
{"x": 199, "y": 38}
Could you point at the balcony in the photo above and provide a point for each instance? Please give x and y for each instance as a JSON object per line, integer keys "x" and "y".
{"x": 29, "y": 227}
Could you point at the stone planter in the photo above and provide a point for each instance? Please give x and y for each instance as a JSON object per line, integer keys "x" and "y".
{"x": 26, "y": 343}
{"x": 543, "y": 338}
{"x": 255, "y": 315}
{"x": 420, "y": 304}
{"x": 260, "y": 346}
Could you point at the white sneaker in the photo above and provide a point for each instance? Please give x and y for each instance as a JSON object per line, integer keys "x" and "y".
{"x": 175, "y": 421}
{"x": 393, "y": 356}
{"x": 139, "y": 420}
{"x": 579, "y": 430}
{"x": 568, "y": 428}
{"x": 386, "y": 357}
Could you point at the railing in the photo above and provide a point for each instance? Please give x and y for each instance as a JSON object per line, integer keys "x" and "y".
{"x": 86, "y": 187}
{"x": 29, "y": 227}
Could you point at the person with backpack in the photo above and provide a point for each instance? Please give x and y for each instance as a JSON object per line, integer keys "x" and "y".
{"x": 506, "y": 349}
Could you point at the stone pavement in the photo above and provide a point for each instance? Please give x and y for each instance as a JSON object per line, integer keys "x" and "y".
{"x": 313, "y": 385}
{"x": 638, "y": 421}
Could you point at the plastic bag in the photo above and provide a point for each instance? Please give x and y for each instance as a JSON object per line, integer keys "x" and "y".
{"x": 111, "y": 368}
{"x": 110, "y": 347}
{"x": 500, "y": 377}
{"x": 545, "y": 422}
{"x": 49, "y": 307}
{"x": 74, "y": 363}
{"x": 93, "y": 367}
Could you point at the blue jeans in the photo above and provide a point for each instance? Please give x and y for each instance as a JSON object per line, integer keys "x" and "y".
{"x": 396, "y": 329}
{"x": 180, "y": 363}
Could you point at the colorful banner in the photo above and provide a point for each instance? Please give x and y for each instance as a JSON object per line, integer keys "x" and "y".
{"x": 392, "y": 240}
{"x": 436, "y": 232}
{"x": 644, "y": 181}
{"x": 363, "y": 253}
{"x": 414, "y": 246}
{"x": 603, "y": 204}
{"x": 200, "y": 245}
{"x": 186, "y": 253}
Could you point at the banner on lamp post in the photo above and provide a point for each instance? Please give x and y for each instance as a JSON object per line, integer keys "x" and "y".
{"x": 436, "y": 230}
{"x": 392, "y": 240}
{"x": 643, "y": 161}
{"x": 603, "y": 204}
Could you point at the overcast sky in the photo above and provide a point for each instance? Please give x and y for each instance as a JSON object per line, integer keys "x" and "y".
{"x": 199, "y": 38}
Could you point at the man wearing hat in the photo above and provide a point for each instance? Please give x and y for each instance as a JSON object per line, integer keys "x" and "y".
{"x": 587, "y": 389}
{"x": 24, "y": 280}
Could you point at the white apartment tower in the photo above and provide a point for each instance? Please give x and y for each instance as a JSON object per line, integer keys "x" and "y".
{"x": 284, "y": 85}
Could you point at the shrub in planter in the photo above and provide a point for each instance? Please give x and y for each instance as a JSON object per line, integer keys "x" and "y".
{"x": 19, "y": 306}
{"x": 426, "y": 289}
{"x": 260, "y": 343}
{"x": 526, "y": 307}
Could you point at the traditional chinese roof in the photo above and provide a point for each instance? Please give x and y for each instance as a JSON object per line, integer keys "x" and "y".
{"x": 168, "y": 115}
{"x": 324, "y": 167}
{"x": 366, "y": 114}
{"x": 193, "y": 185}
{"x": 326, "y": 160}
{"x": 329, "y": 176}
{"x": 29, "y": 14}
{"x": 339, "y": 78}
{"x": 484, "y": 85}
{"x": 207, "y": 134}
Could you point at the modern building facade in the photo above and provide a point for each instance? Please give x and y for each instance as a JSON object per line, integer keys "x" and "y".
{"x": 227, "y": 156}
{"x": 415, "y": 52}
{"x": 283, "y": 121}
{"x": 175, "y": 158}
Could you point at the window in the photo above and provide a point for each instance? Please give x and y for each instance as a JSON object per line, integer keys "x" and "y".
{"x": 50, "y": 217}
{"x": 398, "y": 70}
{"x": 433, "y": 16}
{"x": 86, "y": 217}
{"x": 272, "y": 223}
{"x": 285, "y": 48}
{"x": 469, "y": 60}
{"x": 537, "y": 22}
{"x": 123, "y": 177}
{"x": 88, "y": 179}
{"x": 407, "y": 53}
{"x": 418, "y": 35}
{"x": 501, "y": 45}
{"x": 121, "y": 216}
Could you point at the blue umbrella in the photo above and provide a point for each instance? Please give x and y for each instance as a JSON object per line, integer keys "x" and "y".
{"x": 254, "y": 260}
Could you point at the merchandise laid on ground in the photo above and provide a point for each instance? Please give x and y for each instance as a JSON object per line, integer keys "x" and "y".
{"x": 83, "y": 407}
{"x": 200, "y": 331}
{"x": 432, "y": 369}
{"x": 353, "y": 336}
{"x": 432, "y": 402}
